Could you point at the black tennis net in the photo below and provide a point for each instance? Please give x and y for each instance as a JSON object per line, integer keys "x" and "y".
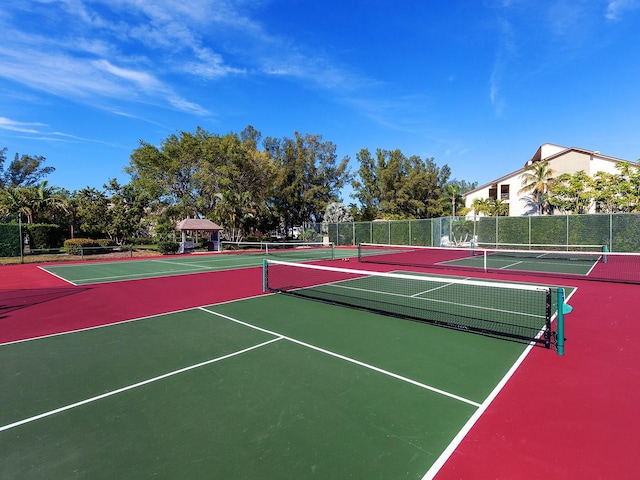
{"x": 505, "y": 310}
{"x": 290, "y": 250}
{"x": 599, "y": 265}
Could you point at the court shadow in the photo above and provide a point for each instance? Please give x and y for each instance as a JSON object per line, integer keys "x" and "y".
{"x": 17, "y": 299}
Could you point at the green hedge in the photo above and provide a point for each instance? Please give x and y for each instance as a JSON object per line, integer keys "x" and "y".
{"x": 9, "y": 240}
{"x": 88, "y": 246}
{"x": 43, "y": 236}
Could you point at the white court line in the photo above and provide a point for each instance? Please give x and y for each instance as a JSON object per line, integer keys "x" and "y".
{"x": 57, "y": 276}
{"x": 135, "y": 385}
{"x": 455, "y": 442}
{"x": 432, "y": 290}
{"x": 150, "y": 275}
{"x": 190, "y": 265}
{"x": 348, "y": 359}
{"x": 510, "y": 265}
{"x": 121, "y": 322}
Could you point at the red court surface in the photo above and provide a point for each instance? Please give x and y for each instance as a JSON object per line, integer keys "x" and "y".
{"x": 570, "y": 417}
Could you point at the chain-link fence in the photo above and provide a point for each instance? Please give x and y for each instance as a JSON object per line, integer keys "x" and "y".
{"x": 619, "y": 232}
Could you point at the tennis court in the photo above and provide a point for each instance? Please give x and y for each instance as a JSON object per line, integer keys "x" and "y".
{"x": 99, "y": 272}
{"x": 536, "y": 262}
{"x": 596, "y": 265}
{"x": 281, "y": 386}
{"x": 272, "y": 387}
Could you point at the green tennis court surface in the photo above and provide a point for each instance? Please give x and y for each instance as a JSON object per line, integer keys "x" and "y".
{"x": 98, "y": 272}
{"x": 537, "y": 263}
{"x": 270, "y": 387}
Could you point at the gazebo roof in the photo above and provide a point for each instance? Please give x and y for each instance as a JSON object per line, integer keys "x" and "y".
{"x": 201, "y": 224}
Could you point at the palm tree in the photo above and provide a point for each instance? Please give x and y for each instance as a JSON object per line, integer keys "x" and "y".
{"x": 15, "y": 200}
{"x": 47, "y": 201}
{"x": 453, "y": 193}
{"x": 480, "y": 205}
{"x": 500, "y": 208}
{"x": 535, "y": 180}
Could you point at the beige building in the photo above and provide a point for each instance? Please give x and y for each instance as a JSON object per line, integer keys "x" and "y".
{"x": 561, "y": 160}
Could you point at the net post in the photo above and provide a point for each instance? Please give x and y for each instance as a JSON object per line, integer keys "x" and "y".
{"x": 605, "y": 250}
{"x": 562, "y": 309}
{"x": 333, "y": 250}
{"x": 264, "y": 275}
{"x": 359, "y": 252}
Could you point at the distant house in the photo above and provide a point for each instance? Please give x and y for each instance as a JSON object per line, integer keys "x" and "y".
{"x": 561, "y": 160}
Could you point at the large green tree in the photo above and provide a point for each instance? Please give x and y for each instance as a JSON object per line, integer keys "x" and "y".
{"x": 90, "y": 212}
{"x": 126, "y": 212}
{"x": 308, "y": 177}
{"x": 394, "y": 185}
{"x": 195, "y": 174}
{"x": 571, "y": 192}
{"x": 23, "y": 171}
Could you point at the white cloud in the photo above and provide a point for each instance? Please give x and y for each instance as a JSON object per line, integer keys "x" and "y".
{"x": 616, "y": 8}
{"x": 22, "y": 127}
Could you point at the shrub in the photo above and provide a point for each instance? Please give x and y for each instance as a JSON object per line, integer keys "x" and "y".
{"x": 9, "y": 240}
{"x": 45, "y": 236}
{"x": 74, "y": 246}
{"x": 167, "y": 247}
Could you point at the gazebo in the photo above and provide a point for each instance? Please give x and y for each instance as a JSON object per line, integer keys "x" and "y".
{"x": 196, "y": 225}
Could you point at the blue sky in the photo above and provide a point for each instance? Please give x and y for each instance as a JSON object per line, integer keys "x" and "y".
{"x": 477, "y": 84}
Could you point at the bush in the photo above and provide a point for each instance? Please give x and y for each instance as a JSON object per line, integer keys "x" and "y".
{"x": 9, "y": 240}
{"x": 167, "y": 247}
{"x": 74, "y": 246}
{"x": 43, "y": 236}
{"x": 88, "y": 246}
{"x": 142, "y": 241}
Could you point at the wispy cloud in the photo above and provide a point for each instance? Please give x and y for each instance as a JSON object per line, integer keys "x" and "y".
{"x": 506, "y": 48}
{"x": 41, "y": 131}
{"x": 132, "y": 50}
{"x": 22, "y": 127}
{"x": 616, "y": 8}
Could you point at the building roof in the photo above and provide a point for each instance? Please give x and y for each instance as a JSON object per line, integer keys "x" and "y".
{"x": 545, "y": 153}
{"x": 201, "y": 224}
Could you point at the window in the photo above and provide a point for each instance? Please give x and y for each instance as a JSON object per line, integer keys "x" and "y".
{"x": 504, "y": 192}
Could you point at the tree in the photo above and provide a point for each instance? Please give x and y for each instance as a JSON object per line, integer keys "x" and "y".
{"x": 535, "y": 180}
{"x": 307, "y": 177}
{"x": 39, "y": 203}
{"x": 571, "y": 193}
{"x": 236, "y": 210}
{"x": 126, "y": 211}
{"x": 499, "y": 208}
{"x": 23, "y": 171}
{"x": 367, "y": 187}
{"x": 14, "y": 201}
{"x": 337, "y": 212}
{"x": 481, "y": 206}
{"x": 191, "y": 175}
{"x": 629, "y": 185}
{"x": 392, "y": 184}
{"x": 170, "y": 173}
{"x": 91, "y": 213}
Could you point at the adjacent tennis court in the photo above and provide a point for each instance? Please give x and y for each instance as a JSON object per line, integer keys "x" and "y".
{"x": 247, "y": 257}
{"x": 598, "y": 265}
{"x": 269, "y": 387}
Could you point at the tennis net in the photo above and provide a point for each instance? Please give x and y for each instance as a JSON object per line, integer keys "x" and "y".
{"x": 597, "y": 265}
{"x": 504, "y": 310}
{"x": 290, "y": 250}
{"x": 539, "y": 246}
